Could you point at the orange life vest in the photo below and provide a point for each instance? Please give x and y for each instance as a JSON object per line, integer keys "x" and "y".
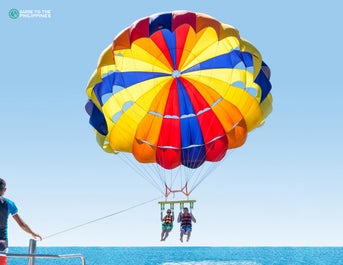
{"x": 168, "y": 219}
{"x": 186, "y": 220}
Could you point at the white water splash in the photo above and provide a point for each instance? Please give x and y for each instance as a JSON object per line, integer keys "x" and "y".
{"x": 211, "y": 262}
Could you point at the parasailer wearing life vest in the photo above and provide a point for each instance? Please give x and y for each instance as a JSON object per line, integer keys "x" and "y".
{"x": 185, "y": 218}
{"x": 167, "y": 224}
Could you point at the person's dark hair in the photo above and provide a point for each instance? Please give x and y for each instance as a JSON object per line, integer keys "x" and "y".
{"x": 2, "y": 184}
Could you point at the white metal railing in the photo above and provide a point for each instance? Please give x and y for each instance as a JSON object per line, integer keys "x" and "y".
{"x": 33, "y": 256}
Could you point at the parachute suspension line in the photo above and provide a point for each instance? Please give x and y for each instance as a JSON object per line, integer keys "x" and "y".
{"x": 141, "y": 170}
{"x": 177, "y": 181}
{"x": 211, "y": 168}
{"x": 171, "y": 183}
{"x": 163, "y": 175}
{"x": 153, "y": 173}
{"x": 101, "y": 218}
{"x": 153, "y": 170}
{"x": 201, "y": 177}
{"x": 169, "y": 179}
{"x": 196, "y": 178}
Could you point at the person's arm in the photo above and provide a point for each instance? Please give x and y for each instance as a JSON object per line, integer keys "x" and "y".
{"x": 193, "y": 218}
{"x": 179, "y": 218}
{"x": 25, "y": 227}
{"x": 162, "y": 219}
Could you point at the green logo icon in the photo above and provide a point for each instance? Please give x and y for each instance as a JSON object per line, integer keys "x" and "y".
{"x": 13, "y": 13}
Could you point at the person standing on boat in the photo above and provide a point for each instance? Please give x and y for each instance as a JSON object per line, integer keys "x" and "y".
{"x": 8, "y": 207}
{"x": 185, "y": 218}
{"x": 167, "y": 224}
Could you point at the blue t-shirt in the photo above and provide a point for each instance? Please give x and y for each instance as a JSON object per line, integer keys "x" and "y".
{"x": 7, "y": 207}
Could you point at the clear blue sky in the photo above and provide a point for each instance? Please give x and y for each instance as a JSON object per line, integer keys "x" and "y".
{"x": 282, "y": 188}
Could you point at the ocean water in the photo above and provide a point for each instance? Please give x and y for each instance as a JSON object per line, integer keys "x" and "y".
{"x": 187, "y": 255}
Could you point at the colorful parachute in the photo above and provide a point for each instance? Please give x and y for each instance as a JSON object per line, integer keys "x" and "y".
{"x": 178, "y": 89}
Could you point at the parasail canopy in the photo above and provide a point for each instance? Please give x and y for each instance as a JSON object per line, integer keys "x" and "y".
{"x": 178, "y": 89}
